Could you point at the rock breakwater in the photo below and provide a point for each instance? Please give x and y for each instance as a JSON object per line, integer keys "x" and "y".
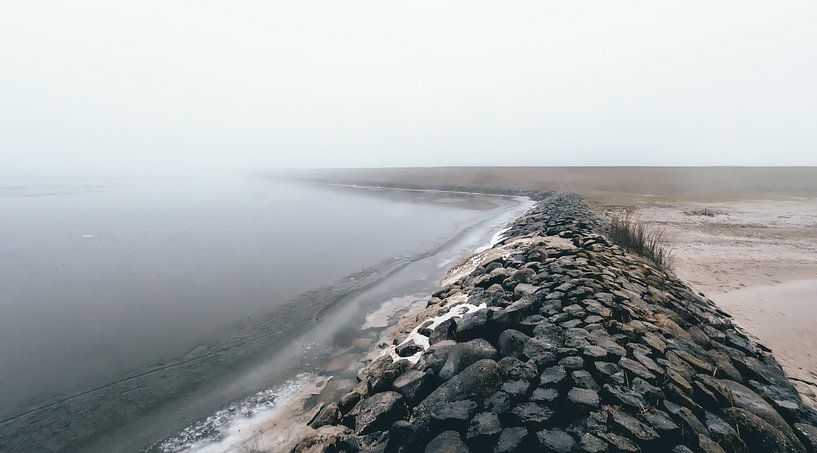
{"x": 556, "y": 340}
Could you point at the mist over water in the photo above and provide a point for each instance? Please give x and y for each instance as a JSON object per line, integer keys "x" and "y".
{"x": 118, "y": 297}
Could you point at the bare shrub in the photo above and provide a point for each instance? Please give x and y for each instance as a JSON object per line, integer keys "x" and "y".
{"x": 637, "y": 236}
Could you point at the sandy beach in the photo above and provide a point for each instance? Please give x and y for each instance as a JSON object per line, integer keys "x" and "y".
{"x": 757, "y": 260}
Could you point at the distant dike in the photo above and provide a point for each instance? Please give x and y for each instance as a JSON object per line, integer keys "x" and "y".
{"x": 554, "y": 339}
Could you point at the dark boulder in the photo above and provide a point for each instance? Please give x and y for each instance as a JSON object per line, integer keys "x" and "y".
{"x": 556, "y": 440}
{"x": 723, "y": 433}
{"x": 583, "y": 399}
{"x": 759, "y": 435}
{"x": 633, "y": 426}
{"x": 553, "y": 376}
{"x": 619, "y": 443}
{"x": 473, "y": 325}
{"x": 807, "y": 434}
{"x": 408, "y": 349}
{"x": 532, "y": 415}
{"x": 452, "y": 415}
{"x": 464, "y": 354}
{"x": 512, "y": 440}
{"x": 513, "y": 368}
{"x": 483, "y": 430}
{"x": 512, "y": 314}
{"x": 379, "y": 411}
{"x": 380, "y": 375}
{"x": 447, "y": 442}
{"x": 544, "y": 395}
{"x": 476, "y": 382}
{"x": 415, "y": 385}
{"x": 511, "y": 342}
{"x": 744, "y": 398}
{"x": 539, "y": 352}
{"x": 517, "y": 389}
{"x": 661, "y": 422}
{"x": 592, "y": 444}
{"x": 443, "y": 331}
{"x": 498, "y": 403}
{"x": 437, "y": 354}
{"x": 328, "y": 415}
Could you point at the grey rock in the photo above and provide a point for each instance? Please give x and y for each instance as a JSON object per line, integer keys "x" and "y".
{"x": 380, "y": 375}
{"x": 511, "y": 440}
{"x": 539, "y": 352}
{"x": 556, "y": 440}
{"x": 593, "y": 352}
{"x": 583, "y": 379}
{"x": 572, "y": 363}
{"x": 511, "y": 342}
{"x": 484, "y": 428}
{"x": 472, "y": 325}
{"x": 447, "y": 442}
{"x": 633, "y": 426}
{"x": 723, "y": 433}
{"x": 661, "y": 422}
{"x": 744, "y": 398}
{"x": 379, "y": 411}
{"x": 517, "y": 389}
{"x": 414, "y": 385}
{"x": 532, "y": 415}
{"x": 464, "y": 354}
{"x": 608, "y": 372}
{"x": 475, "y": 383}
{"x": 408, "y": 349}
{"x": 636, "y": 368}
{"x": 525, "y": 289}
{"x": 515, "y": 369}
{"x": 553, "y": 376}
{"x": 585, "y": 399}
{"x": 707, "y": 445}
{"x": 436, "y": 355}
{"x": 498, "y": 403}
{"x": 544, "y": 395}
{"x": 443, "y": 331}
{"x": 619, "y": 443}
{"x": 807, "y": 434}
{"x": 328, "y": 415}
{"x": 592, "y": 444}
{"x": 452, "y": 415}
{"x": 622, "y": 396}
{"x": 759, "y": 435}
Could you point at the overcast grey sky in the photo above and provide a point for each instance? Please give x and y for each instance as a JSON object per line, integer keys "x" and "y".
{"x": 116, "y": 87}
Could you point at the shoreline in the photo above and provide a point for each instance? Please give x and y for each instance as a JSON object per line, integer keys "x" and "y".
{"x": 355, "y": 423}
{"x": 289, "y": 423}
{"x": 330, "y": 383}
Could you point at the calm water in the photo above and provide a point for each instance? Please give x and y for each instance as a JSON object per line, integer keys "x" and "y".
{"x": 131, "y": 310}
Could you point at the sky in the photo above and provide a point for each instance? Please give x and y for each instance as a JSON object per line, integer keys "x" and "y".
{"x": 101, "y": 87}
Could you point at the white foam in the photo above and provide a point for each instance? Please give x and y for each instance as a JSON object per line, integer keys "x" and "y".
{"x": 496, "y": 239}
{"x": 229, "y": 426}
{"x": 460, "y": 308}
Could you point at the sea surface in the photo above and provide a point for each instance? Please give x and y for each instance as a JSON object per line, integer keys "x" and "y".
{"x": 151, "y": 314}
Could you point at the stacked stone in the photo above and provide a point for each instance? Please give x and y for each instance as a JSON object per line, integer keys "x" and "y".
{"x": 582, "y": 349}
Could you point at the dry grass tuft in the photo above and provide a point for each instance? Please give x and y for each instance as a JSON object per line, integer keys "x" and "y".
{"x": 637, "y": 236}
{"x": 704, "y": 212}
